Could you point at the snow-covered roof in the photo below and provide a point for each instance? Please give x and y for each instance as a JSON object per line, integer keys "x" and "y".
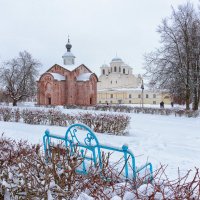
{"x": 84, "y": 77}
{"x": 125, "y": 65}
{"x": 58, "y": 77}
{"x": 120, "y": 89}
{"x": 68, "y": 54}
{"x": 130, "y": 89}
{"x": 69, "y": 67}
{"x": 104, "y": 65}
{"x": 116, "y": 59}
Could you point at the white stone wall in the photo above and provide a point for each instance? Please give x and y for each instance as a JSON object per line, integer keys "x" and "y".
{"x": 132, "y": 97}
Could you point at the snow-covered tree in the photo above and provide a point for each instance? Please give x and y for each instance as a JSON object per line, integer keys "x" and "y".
{"x": 175, "y": 65}
{"x": 18, "y": 77}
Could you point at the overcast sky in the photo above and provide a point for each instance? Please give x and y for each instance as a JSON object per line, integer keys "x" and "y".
{"x": 98, "y": 29}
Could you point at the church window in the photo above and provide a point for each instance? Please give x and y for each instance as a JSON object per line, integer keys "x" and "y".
{"x": 48, "y": 87}
{"x": 154, "y": 96}
{"x": 123, "y": 71}
{"x": 166, "y": 97}
{"x": 115, "y": 69}
{"x": 103, "y": 71}
{"x": 147, "y": 96}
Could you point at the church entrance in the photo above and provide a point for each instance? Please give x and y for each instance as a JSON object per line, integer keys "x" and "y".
{"x": 48, "y": 100}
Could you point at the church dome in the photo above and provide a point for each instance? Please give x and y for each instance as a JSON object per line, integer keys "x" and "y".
{"x": 116, "y": 59}
{"x": 68, "y": 45}
{"x": 104, "y": 65}
{"x": 68, "y": 57}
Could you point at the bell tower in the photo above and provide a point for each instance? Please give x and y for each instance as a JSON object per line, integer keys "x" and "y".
{"x": 68, "y": 57}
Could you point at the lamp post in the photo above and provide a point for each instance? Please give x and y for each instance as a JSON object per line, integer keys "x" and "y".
{"x": 142, "y": 87}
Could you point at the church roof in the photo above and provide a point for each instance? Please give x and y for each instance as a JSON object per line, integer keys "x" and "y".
{"x": 57, "y": 76}
{"x": 68, "y": 54}
{"x": 116, "y": 59}
{"x": 104, "y": 65}
{"x": 84, "y": 77}
{"x": 68, "y": 67}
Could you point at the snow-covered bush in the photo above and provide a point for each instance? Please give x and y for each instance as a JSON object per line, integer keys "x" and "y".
{"x": 145, "y": 110}
{"x": 102, "y": 123}
{"x": 9, "y": 114}
{"x": 105, "y": 123}
{"x": 26, "y": 174}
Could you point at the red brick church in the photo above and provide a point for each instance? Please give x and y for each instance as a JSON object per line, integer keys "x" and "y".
{"x": 68, "y": 84}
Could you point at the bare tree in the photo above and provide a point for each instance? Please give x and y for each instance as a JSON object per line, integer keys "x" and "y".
{"x": 175, "y": 65}
{"x": 18, "y": 76}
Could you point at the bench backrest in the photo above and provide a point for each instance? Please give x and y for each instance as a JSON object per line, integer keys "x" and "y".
{"x": 80, "y": 137}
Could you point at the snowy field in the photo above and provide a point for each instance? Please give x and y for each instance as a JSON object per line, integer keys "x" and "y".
{"x": 168, "y": 140}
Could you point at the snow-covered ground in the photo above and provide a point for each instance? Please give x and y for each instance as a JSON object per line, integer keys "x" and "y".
{"x": 169, "y": 140}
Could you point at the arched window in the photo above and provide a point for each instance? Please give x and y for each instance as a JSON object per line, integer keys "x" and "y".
{"x": 119, "y": 69}
{"x": 103, "y": 71}
{"x": 123, "y": 71}
{"x": 115, "y": 69}
{"x": 49, "y": 87}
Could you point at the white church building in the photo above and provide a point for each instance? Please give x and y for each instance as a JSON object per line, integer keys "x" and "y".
{"x": 118, "y": 85}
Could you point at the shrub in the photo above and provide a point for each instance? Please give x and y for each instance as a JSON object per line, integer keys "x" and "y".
{"x": 25, "y": 174}
{"x": 103, "y": 123}
{"x": 145, "y": 110}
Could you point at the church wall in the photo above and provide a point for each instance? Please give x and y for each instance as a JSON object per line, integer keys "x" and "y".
{"x": 133, "y": 97}
{"x": 86, "y": 94}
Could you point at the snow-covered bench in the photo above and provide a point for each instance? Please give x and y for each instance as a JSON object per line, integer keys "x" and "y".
{"x": 82, "y": 138}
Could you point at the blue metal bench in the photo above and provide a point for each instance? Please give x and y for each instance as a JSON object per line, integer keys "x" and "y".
{"x": 81, "y": 136}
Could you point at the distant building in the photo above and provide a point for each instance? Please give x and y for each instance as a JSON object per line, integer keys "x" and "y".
{"x": 69, "y": 84}
{"x": 118, "y": 85}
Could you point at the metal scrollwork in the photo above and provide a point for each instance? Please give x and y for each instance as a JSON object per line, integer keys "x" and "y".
{"x": 73, "y": 135}
{"x": 88, "y": 139}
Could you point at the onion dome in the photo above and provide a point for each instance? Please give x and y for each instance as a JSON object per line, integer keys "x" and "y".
{"x": 116, "y": 59}
{"x": 68, "y": 46}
